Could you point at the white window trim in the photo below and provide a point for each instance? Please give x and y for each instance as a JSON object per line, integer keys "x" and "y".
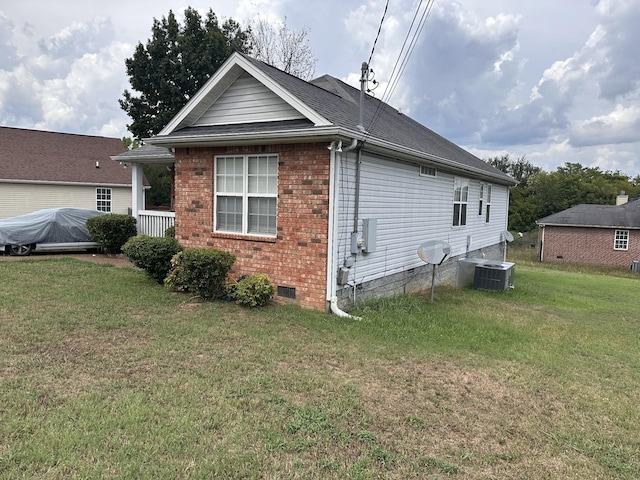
{"x": 621, "y": 240}
{"x": 245, "y": 195}
{"x": 463, "y": 184}
{"x": 104, "y": 204}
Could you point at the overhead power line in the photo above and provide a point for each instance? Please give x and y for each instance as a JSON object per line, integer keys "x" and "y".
{"x": 408, "y": 46}
{"x": 373, "y": 49}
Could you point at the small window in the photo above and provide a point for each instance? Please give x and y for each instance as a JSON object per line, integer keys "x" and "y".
{"x": 460, "y": 198}
{"x": 426, "y": 171}
{"x": 103, "y": 199}
{"x": 621, "y": 240}
{"x": 487, "y": 194}
{"x": 484, "y": 202}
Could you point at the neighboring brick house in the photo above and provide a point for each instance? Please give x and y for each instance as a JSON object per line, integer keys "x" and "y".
{"x": 280, "y": 172}
{"x": 607, "y": 235}
{"x": 40, "y": 169}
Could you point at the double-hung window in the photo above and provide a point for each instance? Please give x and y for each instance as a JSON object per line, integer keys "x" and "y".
{"x": 621, "y": 240}
{"x": 246, "y": 191}
{"x": 460, "y": 198}
{"x": 103, "y": 199}
{"x": 484, "y": 203}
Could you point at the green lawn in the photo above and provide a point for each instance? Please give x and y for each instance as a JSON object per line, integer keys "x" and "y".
{"x": 104, "y": 374}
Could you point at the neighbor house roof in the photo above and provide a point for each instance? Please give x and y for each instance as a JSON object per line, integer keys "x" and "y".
{"x": 603, "y": 216}
{"x": 326, "y": 108}
{"x": 36, "y": 156}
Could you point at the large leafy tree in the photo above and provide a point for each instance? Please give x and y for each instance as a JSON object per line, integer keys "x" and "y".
{"x": 176, "y": 61}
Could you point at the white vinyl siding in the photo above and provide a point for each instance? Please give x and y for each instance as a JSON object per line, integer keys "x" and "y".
{"x": 410, "y": 209}
{"x": 20, "y": 198}
{"x": 247, "y": 101}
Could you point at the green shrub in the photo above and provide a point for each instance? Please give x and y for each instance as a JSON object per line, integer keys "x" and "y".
{"x": 200, "y": 271}
{"x": 152, "y": 254}
{"x": 170, "y": 232}
{"x": 112, "y": 231}
{"x": 252, "y": 291}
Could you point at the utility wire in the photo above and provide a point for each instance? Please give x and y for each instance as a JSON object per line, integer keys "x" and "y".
{"x": 384, "y": 14}
{"x": 403, "y": 58}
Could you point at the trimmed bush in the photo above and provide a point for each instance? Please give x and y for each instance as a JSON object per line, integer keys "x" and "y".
{"x": 252, "y": 291}
{"x": 112, "y": 231}
{"x": 152, "y": 254}
{"x": 200, "y": 271}
{"x": 170, "y": 232}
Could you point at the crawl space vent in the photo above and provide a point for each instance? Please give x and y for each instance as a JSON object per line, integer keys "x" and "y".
{"x": 286, "y": 292}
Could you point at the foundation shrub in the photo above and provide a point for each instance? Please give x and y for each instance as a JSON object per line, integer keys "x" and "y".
{"x": 252, "y": 291}
{"x": 112, "y": 231}
{"x": 200, "y": 271}
{"x": 152, "y": 254}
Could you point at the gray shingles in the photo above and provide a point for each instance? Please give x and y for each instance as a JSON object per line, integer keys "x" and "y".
{"x": 585, "y": 215}
{"x": 338, "y": 102}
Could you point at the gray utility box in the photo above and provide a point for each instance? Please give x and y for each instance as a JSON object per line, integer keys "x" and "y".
{"x": 494, "y": 276}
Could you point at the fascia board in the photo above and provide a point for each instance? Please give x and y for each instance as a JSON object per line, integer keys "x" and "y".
{"x": 315, "y": 134}
{"x": 383, "y": 147}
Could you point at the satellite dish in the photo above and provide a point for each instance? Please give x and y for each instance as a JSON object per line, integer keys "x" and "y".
{"x": 507, "y": 236}
{"x": 434, "y": 252}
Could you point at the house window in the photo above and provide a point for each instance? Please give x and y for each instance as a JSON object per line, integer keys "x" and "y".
{"x": 103, "y": 199}
{"x": 246, "y": 190}
{"x": 460, "y": 197}
{"x": 426, "y": 171}
{"x": 621, "y": 240}
{"x": 484, "y": 203}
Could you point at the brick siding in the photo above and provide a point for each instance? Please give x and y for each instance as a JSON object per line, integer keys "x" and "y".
{"x": 297, "y": 256}
{"x": 593, "y": 246}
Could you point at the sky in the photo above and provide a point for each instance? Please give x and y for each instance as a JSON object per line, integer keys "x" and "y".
{"x": 552, "y": 81}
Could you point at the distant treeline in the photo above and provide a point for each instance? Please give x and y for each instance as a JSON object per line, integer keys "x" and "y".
{"x": 539, "y": 193}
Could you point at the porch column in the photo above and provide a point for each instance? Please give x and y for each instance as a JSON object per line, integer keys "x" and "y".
{"x": 137, "y": 190}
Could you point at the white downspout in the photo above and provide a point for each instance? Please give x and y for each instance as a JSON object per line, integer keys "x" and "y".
{"x": 332, "y": 244}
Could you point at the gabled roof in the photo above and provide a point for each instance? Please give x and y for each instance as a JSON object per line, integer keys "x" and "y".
{"x": 603, "y": 216}
{"x": 323, "y": 109}
{"x": 36, "y": 156}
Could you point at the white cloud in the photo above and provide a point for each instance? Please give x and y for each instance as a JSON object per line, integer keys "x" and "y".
{"x": 622, "y": 125}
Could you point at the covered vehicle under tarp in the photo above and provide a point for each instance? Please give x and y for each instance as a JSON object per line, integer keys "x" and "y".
{"x": 52, "y": 225}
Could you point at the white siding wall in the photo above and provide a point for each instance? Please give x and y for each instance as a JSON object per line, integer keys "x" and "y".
{"x": 410, "y": 209}
{"x": 247, "y": 101}
{"x": 19, "y": 198}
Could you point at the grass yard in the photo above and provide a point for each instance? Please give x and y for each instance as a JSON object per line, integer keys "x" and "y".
{"x": 103, "y": 374}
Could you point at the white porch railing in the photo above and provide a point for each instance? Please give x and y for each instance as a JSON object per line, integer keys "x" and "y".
{"x": 155, "y": 223}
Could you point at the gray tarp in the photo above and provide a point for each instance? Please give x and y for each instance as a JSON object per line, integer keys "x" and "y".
{"x": 52, "y": 225}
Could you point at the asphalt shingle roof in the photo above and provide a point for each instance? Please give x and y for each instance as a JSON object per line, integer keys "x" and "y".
{"x": 39, "y": 156}
{"x": 585, "y": 215}
{"x": 338, "y": 103}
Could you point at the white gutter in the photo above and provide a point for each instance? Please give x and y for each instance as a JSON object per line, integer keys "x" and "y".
{"x": 332, "y": 244}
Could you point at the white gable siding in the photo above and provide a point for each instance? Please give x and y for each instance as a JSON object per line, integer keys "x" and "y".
{"x": 20, "y": 198}
{"x": 247, "y": 101}
{"x": 410, "y": 209}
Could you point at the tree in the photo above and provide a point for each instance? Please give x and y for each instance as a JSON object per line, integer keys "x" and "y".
{"x": 283, "y": 48}
{"x": 174, "y": 64}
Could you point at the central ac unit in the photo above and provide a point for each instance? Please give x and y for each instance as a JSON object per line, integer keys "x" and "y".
{"x": 494, "y": 276}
